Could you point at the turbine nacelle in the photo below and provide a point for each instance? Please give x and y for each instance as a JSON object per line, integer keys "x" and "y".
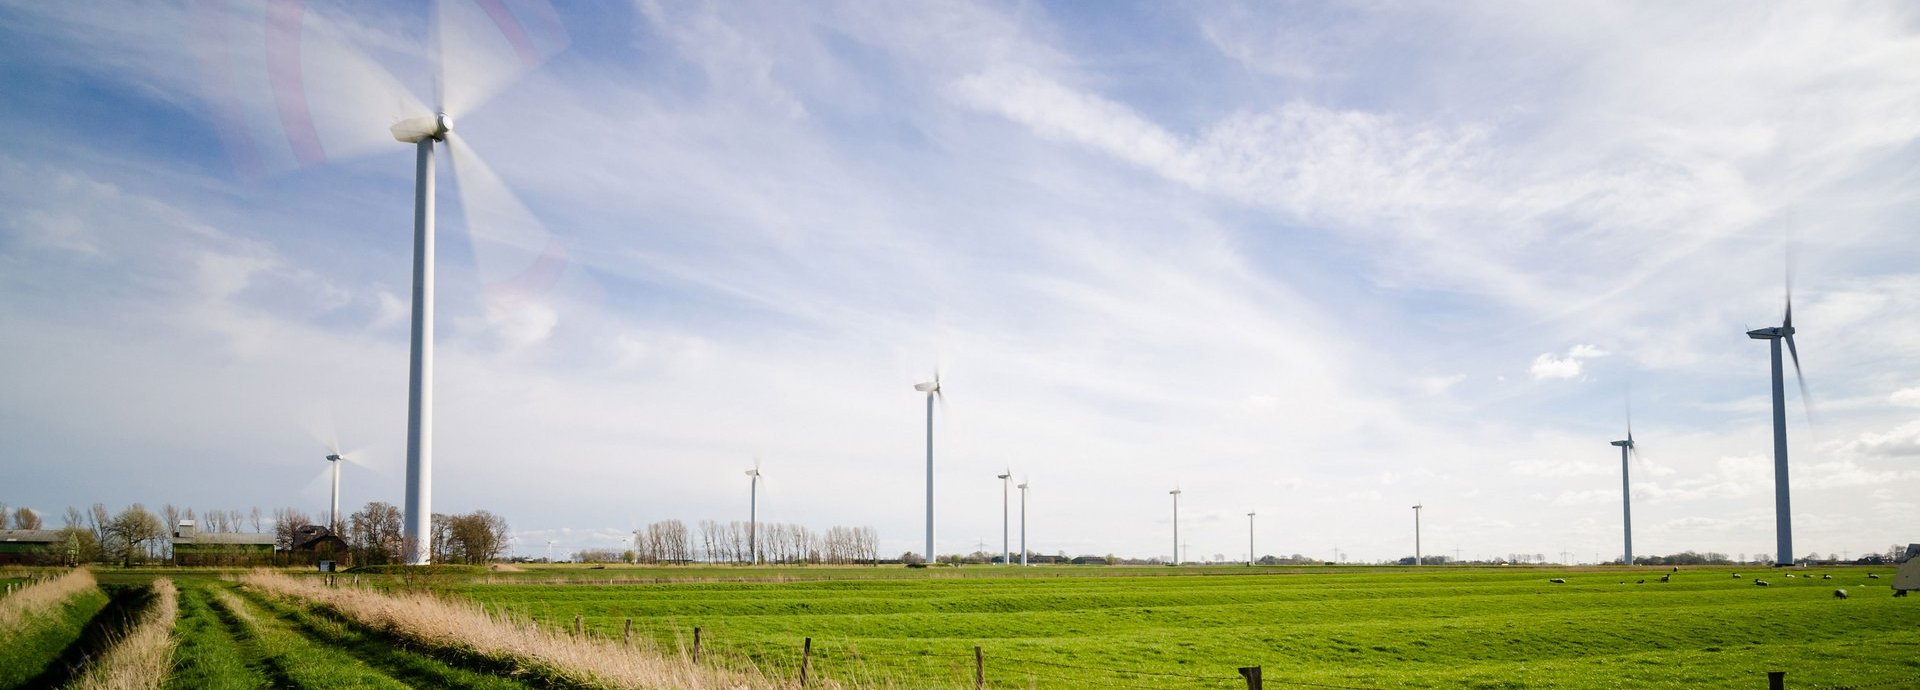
{"x": 928, "y": 387}
{"x": 334, "y": 458}
{"x": 1774, "y": 333}
{"x": 1623, "y": 444}
{"x": 416, "y": 129}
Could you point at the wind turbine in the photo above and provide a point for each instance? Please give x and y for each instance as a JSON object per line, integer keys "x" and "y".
{"x": 1023, "y": 522}
{"x": 1782, "y": 511}
{"x": 932, "y": 389}
{"x": 1626, "y": 490}
{"x": 1176, "y": 525}
{"x": 753, "y": 515}
{"x": 1250, "y": 539}
{"x": 1006, "y": 546}
{"x": 333, "y": 517}
{"x": 1416, "y": 533}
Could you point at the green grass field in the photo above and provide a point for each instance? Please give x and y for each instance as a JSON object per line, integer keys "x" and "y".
{"x": 1357, "y": 627}
{"x": 35, "y": 652}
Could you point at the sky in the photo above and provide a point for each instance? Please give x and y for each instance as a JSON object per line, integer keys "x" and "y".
{"x": 1315, "y": 261}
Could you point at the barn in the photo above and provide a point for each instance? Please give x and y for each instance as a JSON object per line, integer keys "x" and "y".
{"x": 193, "y": 547}
{"x": 29, "y": 546}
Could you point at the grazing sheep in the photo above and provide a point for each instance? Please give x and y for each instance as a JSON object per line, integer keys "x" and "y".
{"x": 1789, "y": 574}
{"x": 1826, "y": 577}
{"x": 1839, "y": 594}
{"x": 1558, "y": 580}
{"x": 1761, "y": 583}
{"x": 1663, "y": 578}
{"x": 1736, "y": 576}
{"x": 1872, "y": 576}
{"x": 1640, "y": 582}
{"x": 1676, "y": 569}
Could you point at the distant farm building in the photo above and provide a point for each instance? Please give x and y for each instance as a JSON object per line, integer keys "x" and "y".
{"x": 313, "y": 544}
{"x": 193, "y": 547}
{"x": 1089, "y": 560}
{"x": 30, "y": 546}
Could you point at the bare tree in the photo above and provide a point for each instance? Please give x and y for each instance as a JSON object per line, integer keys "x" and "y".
{"x": 255, "y": 517}
{"x": 24, "y": 518}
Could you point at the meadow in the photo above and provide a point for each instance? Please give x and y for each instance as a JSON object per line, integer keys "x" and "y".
{"x": 1067, "y": 627}
{"x": 1040, "y": 628}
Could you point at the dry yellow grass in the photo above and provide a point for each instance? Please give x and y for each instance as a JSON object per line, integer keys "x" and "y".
{"x": 141, "y": 659}
{"x": 467, "y": 627}
{"x": 41, "y": 597}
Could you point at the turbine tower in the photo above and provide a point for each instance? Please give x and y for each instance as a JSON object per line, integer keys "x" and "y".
{"x": 1782, "y": 511}
{"x": 421, "y": 132}
{"x": 1176, "y": 525}
{"x": 333, "y": 518}
{"x": 1626, "y": 492}
{"x": 1023, "y": 522}
{"x": 1416, "y": 533}
{"x": 1006, "y": 545}
{"x": 932, "y": 389}
{"x": 753, "y": 514}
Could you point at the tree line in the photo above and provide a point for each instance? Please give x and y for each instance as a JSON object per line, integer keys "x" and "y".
{"x": 712, "y": 541}
{"x": 136, "y": 534}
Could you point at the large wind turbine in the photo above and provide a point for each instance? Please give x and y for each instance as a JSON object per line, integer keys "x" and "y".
{"x": 1006, "y": 545}
{"x": 1416, "y": 534}
{"x": 1626, "y": 491}
{"x": 753, "y": 514}
{"x": 1782, "y": 511}
{"x": 932, "y": 389}
{"x": 1250, "y": 556}
{"x": 333, "y": 517}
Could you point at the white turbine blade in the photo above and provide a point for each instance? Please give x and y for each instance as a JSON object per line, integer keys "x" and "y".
{"x": 319, "y": 489}
{"x": 485, "y": 45}
{"x": 289, "y": 87}
{"x": 518, "y": 261}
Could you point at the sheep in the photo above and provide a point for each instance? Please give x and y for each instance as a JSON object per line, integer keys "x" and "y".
{"x": 1641, "y": 582}
{"x": 1826, "y": 577}
{"x": 1790, "y": 575}
{"x": 1761, "y": 583}
{"x": 1663, "y": 578}
{"x": 1558, "y": 580}
{"x": 1736, "y": 576}
{"x": 1839, "y": 594}
{"x": 1872, "y": 576}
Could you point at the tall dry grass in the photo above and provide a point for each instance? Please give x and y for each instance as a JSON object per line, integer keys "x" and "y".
{"x": 41, "y": 597}
{"x": 466, "y": 627}
{"x": 142, "y": 658}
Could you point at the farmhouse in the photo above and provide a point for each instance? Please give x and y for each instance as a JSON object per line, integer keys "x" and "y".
{"x": 192, "y": 547}
{"x": 29, "y": 545}
{"x": 313, "y": 544}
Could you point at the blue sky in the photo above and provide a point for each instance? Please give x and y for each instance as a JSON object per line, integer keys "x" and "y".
{"x": 1315, "y": 261}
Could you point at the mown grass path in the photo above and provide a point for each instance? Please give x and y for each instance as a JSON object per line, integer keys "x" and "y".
{"x": 1393, "y": 628}
{"x": 37, "y": 652}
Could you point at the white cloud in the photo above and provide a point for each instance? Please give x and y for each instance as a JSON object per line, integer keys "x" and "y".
{"x": 1547, "y": 366}
{"x": 1906, "y": 397}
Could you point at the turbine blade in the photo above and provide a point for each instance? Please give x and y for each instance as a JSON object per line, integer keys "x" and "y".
{"x": 484, "y": 45}
{"x": 1806, "y": 399}
{"x": 518, "y": 261}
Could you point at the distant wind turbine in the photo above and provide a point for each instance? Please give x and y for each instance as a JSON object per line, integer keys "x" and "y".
{"x": 1416, "y": 534}
{"x": 1176, "y": 525}
{"x": 1782, "y": 510}
{"x": 1023, "y": 522}
{"x": 1626, "y": 489}
{"x": 932, "y": 389}
{"x": 1006, "y": 546}
{"x": 1250, "y": 555}
{"x": 753, "y": 514}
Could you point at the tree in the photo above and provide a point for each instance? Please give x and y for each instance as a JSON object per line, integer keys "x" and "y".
{"x": 132, "y": 527}
{"x": 25, "y": 518}
{"x": 477, "y": 537}
{"x": 374, "y": 534}
{"x": 285, "y": 522}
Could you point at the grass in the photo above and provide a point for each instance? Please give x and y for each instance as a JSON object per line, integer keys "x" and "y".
{"x": 142, "y": 656}
{"x": 43, "y": 622}
{"x": 1381, "y": 627}
{"x": 211, "y": 652}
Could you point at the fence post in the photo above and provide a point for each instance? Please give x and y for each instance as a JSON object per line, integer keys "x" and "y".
{"x": 1776, "y": 680}
{"x": 1252, "y": 674}
{"x": 626, "y": 638}
{"x": 696, "y": 644}
{"x": 806, "y": 658}
{"x": 979, "y": 669}
{"x": 576, "y": 625}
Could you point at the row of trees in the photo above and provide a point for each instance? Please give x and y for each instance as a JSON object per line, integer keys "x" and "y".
{"x": 669, "y": 541}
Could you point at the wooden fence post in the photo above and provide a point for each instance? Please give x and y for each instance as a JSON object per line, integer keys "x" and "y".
{"x": 576, "y": 625}
{"x": 979, "y": 669}
{"x": 626, "y": 638}
{"x": 1776, "y": 680}
{"x": 1252, "y": 674}
{"x": 806, "y": 659}
{"x": 696, "y": 644}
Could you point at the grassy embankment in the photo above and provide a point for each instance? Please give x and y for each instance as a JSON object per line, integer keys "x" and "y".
{"x": 40, "y": 621}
